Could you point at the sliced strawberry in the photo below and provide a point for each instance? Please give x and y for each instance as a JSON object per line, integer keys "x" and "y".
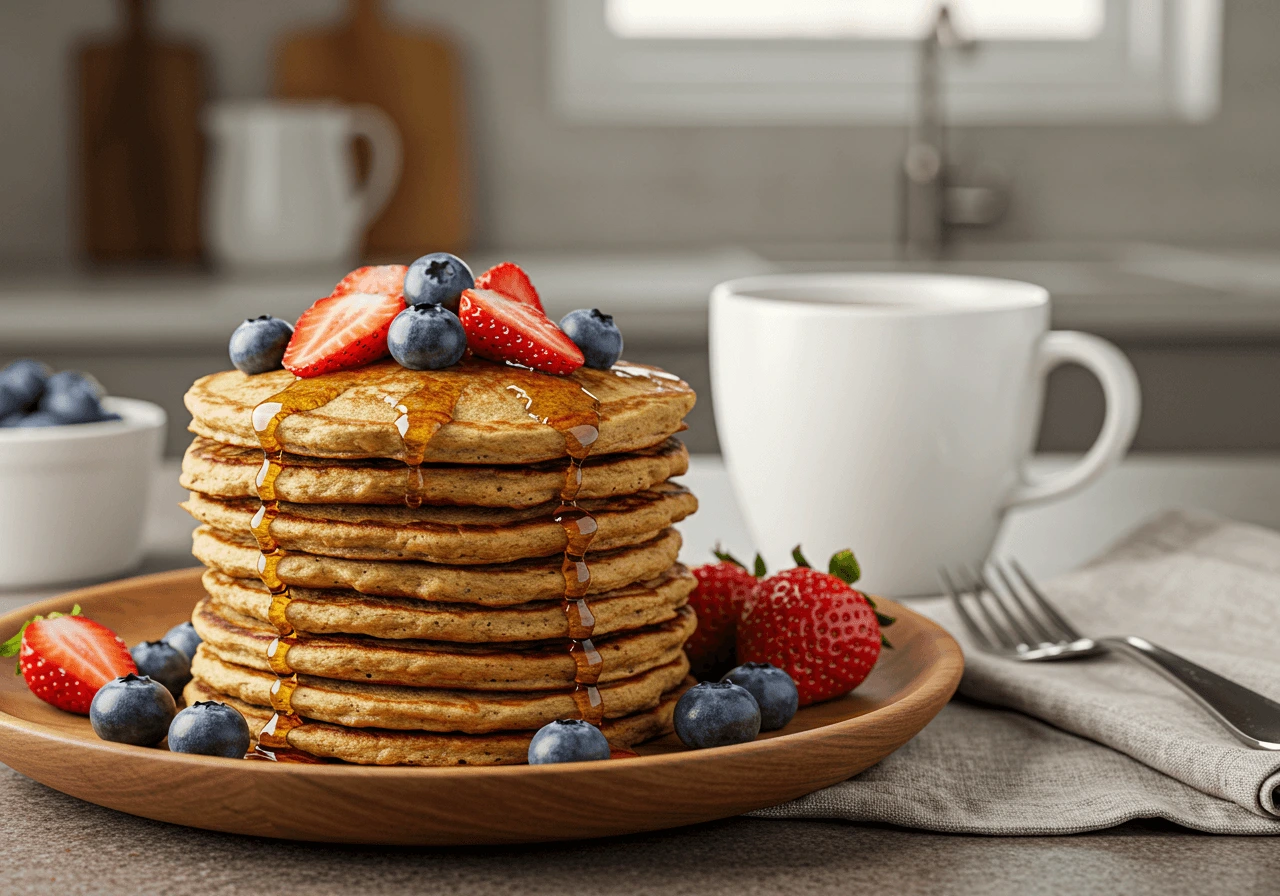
{"x": 380, "y": 280}
{"x": 501, "y": 329}
{"x": 342, "y": 331}
{"x": 66, "y": 659}
{"x": 510, "y": 279}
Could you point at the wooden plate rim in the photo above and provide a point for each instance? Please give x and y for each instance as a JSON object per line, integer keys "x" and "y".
{"x": 928, "y": 685}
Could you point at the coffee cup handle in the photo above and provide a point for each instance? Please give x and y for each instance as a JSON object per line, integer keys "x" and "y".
{"x": 1123, "y": 399}
{"x": 386, "y": 158}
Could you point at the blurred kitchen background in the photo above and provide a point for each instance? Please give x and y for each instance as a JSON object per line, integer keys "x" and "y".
{"x": 631, "y": 153}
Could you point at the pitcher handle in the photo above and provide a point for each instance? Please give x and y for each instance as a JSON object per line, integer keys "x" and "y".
{"x": 386, "y": 158}
{"x": 1119, "y": 388}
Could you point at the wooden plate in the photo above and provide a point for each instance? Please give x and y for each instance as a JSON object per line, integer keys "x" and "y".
{"x": 665, "y": 787}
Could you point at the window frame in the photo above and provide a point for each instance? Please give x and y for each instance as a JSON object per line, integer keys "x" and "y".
{"x": 1153, "y": 60}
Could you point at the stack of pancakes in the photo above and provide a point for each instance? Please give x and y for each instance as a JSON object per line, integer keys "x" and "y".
{"x": 425, "y": 567}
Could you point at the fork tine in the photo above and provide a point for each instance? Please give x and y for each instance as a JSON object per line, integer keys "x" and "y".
{"x": 976, "y": 587}
{"x": 1048, "y": 609}
{"x": 974, "y": 629}
{"x": 1014, "y": 619}
{"x": 1023, "y": 603}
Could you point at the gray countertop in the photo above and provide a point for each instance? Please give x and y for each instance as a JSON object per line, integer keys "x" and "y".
{"x": 51, "y": 843}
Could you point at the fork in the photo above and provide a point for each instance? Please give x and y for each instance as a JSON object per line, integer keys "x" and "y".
{"x": 1018, "y": 622}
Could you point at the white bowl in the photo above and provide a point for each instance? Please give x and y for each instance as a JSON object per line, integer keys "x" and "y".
{"x": 73, "y": 499}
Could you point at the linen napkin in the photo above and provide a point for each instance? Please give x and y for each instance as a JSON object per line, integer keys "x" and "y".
{"x": 1042, "y": 748}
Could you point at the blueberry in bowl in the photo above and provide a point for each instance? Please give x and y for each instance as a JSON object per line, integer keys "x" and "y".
{"x": 437, "y": 279}
{"x": 164, "y": 663}
{"x": 595, "y": 333}
{"x": 132, "y": 710}
{"x": 71, "y": 397}
{"x": 69, "y": 446}
{"x": 209, "y": 728}
{"x": 21, "y": 385}
{"x": 776, "y": 694}
{"x": 568, "y": 740}
{"x": 716, "y": 714}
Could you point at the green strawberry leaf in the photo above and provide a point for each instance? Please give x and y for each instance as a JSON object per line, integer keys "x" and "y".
{"x": 726, "y": 557}
{"x": 14, "y": 644}
{"x": 799, "y": 558}
{"x": 885, "y": 620}
{"x": 760, "y": 572}
{"x": 884, "y": 642}
{"x": 844, "y": 566}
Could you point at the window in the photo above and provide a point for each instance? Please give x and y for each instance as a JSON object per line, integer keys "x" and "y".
{"x": 882, "y": 19}
{"x": 851, "y": 61}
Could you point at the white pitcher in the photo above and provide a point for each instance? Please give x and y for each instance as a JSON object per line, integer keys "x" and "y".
{"x": 280, "y": 187}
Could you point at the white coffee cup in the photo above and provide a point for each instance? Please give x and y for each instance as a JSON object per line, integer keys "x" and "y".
{"x": 894, "y": 414}
{"x": 281, "y": 183}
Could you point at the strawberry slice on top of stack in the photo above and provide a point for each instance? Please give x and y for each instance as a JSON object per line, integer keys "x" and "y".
{"x": 500, "y": 314}
{"x": 348, "y": 327}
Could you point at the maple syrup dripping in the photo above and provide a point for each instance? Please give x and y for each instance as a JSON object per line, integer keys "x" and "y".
{"x": 422, "y": 413}
{"x": 301, "y": 395}
{"x": 575, "y": 414}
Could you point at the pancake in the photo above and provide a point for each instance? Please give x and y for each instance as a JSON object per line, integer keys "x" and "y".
{"x": 230, "y": 471}
{"x": 454, "y": 535}
{"x": 495, "y": 585}
{"x": 523, "y": 666}
{"x": 375, "y": 746}
{"x": 367, "y": 705}
{"x": 497, "y": 418}
{"x": 349, "y": 612}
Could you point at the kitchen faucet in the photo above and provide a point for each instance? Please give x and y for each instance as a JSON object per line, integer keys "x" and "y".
{"x": 928, "y": 203}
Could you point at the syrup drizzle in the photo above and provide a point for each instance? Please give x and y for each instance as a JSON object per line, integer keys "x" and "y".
{"x": 574, "y": 413}
{"x": 554, "y": 401}
{"x": 422, "y": 413}
{"x": 301, "y": 395}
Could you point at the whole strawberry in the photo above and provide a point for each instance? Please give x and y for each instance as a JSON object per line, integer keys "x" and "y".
{"x": 65, "y": 659}
{"x": 814, "y": 626}
{"x": 723, "y": 590}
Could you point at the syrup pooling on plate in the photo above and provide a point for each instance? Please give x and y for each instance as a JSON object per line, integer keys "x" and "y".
{"x": 301, "y": 395}
{"x": 575, "y": 413}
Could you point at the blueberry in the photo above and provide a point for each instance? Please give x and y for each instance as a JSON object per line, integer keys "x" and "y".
{"x": 716, "y": 714}
{"x": 70, "y": 397}
{"x": 183, "y": 636}
{"x": 567, "y": 740}
{"x": 28, "y": 421}
{"x": 438, "y": 278}
{"x": 11, "y": 404}
{"x": 74, "y": 379}
{"x": 163, "y": 662}
{"x": 132, "y": 710}
{"x": 209, "y": 729}
{"x": 596, "y": 334}
{"x": 426, "y": 337}
{"x": 258, "y": 344}
{"x": 775, "y": 692}
{"x": 23, "y": 382}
